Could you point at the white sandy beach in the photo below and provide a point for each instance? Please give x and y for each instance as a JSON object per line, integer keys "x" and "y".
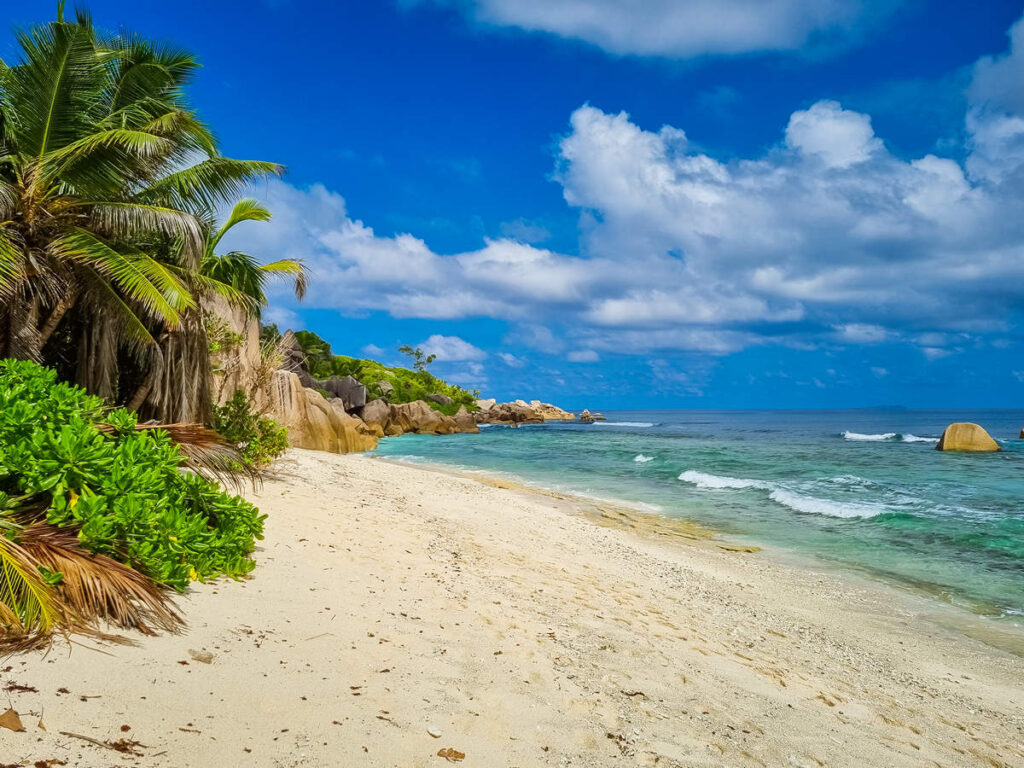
{"x": 390, "y": 602}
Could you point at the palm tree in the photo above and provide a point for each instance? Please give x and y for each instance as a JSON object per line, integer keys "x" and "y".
{"x": 106, "y": 175}
{"x": 241, "y": 271}
{"x": 179, "y": 390}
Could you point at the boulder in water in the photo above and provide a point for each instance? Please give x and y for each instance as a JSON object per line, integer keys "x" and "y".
{"x": 967, "y": 437}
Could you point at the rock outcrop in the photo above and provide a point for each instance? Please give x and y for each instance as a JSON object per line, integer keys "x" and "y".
{"x": 968, "y": 437}
{"x": 386, "y": 389}
{"x": 520, "y": 412}
{"x": 513, "y": 414}
{"x": 419, "y": 417}
{"x": 351, "y": 393}
{"x": 439, "y": 399}
{"x": 314, "y": 422}
{"x": 464, "y": 421}
{"x": 588, "y": 417}
{"x": 1022, "y": 433}
{"x": 550, "y": 412}
{"x": 415, "y": 417}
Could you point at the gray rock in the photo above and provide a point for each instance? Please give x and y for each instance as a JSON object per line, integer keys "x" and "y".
{"x": 387, "y": 389}
{"x": 294, "y": 359}
{"x": 351, "y": 393}
{"x": 439, "y": 399}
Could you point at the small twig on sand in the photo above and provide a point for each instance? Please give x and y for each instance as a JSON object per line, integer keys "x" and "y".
{"x": 124, "y": 746}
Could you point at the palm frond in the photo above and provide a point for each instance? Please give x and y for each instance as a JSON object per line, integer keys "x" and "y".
{"x": 102, "y": 300}
{"x": 207, "y": 184}
{"x": 205, "y": 450}
{"x": 135, "y": 221}
{"x": 53, "y": 90}
{"x": 96, "y": 587}
{"x": 290, "y": 267}
{"x": 246, "y": 209}
{"x": 28, "y": 606}
{"x": 12, "y": 262}
{"x": 204, "y": 284}
{"x": 143, "y": 280}
{"x": 137, "y": 143}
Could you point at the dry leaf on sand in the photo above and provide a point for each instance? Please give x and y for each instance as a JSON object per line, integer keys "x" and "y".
{"x": 11, "y": 721}
{"x": 451, "y": 755}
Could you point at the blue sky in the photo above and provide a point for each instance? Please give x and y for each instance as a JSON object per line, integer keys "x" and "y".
{"x": 606, "y": 203}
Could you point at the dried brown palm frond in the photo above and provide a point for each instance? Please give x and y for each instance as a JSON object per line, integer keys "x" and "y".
{"x": 95, "y": 587}
{"x": 206, "y": 451}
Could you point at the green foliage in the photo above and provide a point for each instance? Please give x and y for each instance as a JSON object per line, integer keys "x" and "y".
{"x": 124, "y": 490}
{"x": 317, "y": 351}
{"x": 420, "y": 360}
{"x": 260, "y": 439}
{"x": 270, "y": 335}
{"x": 219, "y": 336}
{"x": 409, "y": 384}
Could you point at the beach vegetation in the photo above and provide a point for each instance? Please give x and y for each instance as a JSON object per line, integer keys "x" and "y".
{"x": 259, "y": 439}
{"x": 90, "y": 499}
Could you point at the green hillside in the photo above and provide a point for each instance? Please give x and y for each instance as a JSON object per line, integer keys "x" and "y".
{"x": 409, "y": 384}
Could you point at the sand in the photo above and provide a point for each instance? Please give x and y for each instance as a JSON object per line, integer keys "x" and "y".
{"x": 396, "y": 612}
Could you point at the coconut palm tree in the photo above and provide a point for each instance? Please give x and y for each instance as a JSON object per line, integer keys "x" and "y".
{"x": 179, "y": 389}
{"x": 105, "y": 176}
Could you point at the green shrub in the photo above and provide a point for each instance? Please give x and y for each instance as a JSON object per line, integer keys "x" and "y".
{"x": 259, "y": 438}
{"x": 124, "y": 489}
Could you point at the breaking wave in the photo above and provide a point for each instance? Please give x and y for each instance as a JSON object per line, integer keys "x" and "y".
{"x": 895, "y": 437}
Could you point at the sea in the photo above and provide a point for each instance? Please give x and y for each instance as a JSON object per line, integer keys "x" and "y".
{"x": 858, "y": 489}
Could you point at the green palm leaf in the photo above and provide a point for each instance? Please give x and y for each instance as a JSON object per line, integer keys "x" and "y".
{"x": 27, "y": 604}
{"x": 142, "y": 279}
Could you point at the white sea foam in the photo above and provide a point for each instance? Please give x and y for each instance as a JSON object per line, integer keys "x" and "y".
{"x": 872, "y": 438}
{"x": 641, "y": 459}
{"x": 814, "y": 506}
{"x": 623, "y": 423}
{"x": 715, "y": 482}
{"x": 798, "y": 502}
{"x": 884, "y": 436}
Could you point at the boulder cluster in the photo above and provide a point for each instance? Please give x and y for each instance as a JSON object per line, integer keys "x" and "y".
{"x": 377, "y": 418}
{"x": 336, "y": 414}
{"x": 519, "y": 412}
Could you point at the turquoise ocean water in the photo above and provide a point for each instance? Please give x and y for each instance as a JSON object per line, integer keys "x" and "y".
{"x": 860, "y": 489}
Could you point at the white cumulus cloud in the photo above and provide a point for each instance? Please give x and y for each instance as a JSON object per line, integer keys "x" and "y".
{"x": 679, "y": 28}
{"x": 451, "y": 348}
{"x": 825, "y": 238}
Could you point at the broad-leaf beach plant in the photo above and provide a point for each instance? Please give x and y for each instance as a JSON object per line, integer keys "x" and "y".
{"x": 89, "y": 495}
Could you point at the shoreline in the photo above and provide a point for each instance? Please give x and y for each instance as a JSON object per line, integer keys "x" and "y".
{"x": 646, "y": 521}
{"x": 394, "y": 602}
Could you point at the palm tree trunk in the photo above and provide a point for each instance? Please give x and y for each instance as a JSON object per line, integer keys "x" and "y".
{"x": 21, "y": 337}
{"x": 66, "y": 303}
{"x": 155, "y": 370}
